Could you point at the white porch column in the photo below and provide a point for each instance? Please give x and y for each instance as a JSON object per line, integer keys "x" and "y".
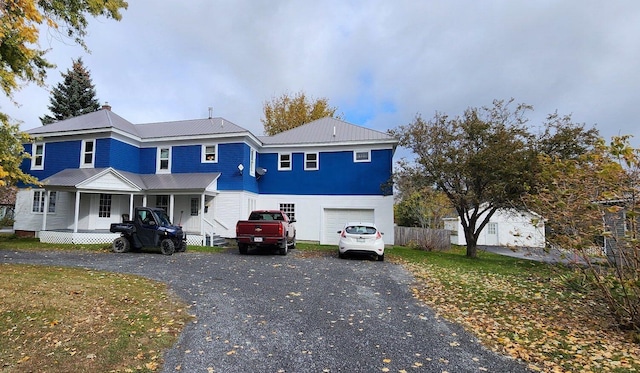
{"x": 202, "y": 215}
{"x": 131, "y": 206}
{"x": 171, "y": 205}
{"x": 45, "y": 209}
{"x": 144, "y": 200}
{"x": 76, "y": 212}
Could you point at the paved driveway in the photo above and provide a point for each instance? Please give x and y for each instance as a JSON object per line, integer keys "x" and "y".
{"x": 295, "y": 313}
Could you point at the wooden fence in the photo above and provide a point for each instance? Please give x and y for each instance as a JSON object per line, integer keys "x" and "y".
{"x": 423, "y": 238}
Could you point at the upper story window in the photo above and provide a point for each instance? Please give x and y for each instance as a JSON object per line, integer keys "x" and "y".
{"x": 284, "y": 162}
{"x": 38, "y": 201}
{"x": 164, "y": 161}
{"x": 252, "y": 162}
{"x": 37, "y": 157}
{"x": 362, "y": 156}
{"x": 88, "y": 152}
{"x": 311, "y": 161}
{"x": 210, "y": 153}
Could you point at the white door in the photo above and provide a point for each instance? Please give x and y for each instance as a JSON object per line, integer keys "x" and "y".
{"x": 492, "y": 234}
{"x": 335, "y": 219}
{"x": 104, "y": 211}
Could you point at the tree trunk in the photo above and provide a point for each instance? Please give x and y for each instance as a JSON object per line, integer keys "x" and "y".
{"x": 472, "y": 244}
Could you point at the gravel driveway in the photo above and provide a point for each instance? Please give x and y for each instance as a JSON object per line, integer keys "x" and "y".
{"x": 296, "y": 313}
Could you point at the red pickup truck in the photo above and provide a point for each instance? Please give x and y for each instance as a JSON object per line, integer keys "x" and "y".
{"x": 266, "y": 228}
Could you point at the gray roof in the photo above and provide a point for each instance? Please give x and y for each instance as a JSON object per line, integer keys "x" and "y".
{"x": 106, "y": 120}
{"x": 327, "y": 130}
{"x": 101, "y": 119}
{"x": 193, "y": 127}
{"x": 150, "y": 182}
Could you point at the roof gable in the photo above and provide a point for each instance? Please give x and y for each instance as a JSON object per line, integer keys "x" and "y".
{"x": 327, "y": 130}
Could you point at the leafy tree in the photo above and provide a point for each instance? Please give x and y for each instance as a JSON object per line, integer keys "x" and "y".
{"x": 76, "y": 95}
{"x": 22, "y": 61}
{"x": 423, "y": 208}
{"x": 286, "y": 112}
{"x": 590, "y": 201}
{"x": 484, "y": 160}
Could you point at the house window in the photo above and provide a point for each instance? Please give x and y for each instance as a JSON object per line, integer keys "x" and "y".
{"x": 88, "y": 151}
{"x": 289, "y": 209}
{"x": 210, "y": 153}
{"x": 104, "y": 208}
{"x": 38, "y": 201}
{"x": 492, "y": 228}
{"x": 311, "y": 161}
{"x": 284, "y": 162}
{"x": 195, "y": 206}
{"x": 162, "y": 202}
{"x": 37, "y": 157}
{"x": 252, "y": 162}
{"x": 362, "y": 156}
{"x": 164, "y": 160}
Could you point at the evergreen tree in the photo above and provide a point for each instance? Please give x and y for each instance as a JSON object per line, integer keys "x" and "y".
{"x": 76, "y": 95}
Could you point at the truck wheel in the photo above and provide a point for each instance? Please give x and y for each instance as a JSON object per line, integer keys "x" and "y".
{"x": 167, "y": 247}
{"x": 120, "y": 245}
{"x": 285, "y": 250}
{"x": 293, "y": 243}
{"x": 242, "y": 247}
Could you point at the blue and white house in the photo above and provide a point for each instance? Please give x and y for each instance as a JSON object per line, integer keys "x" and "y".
{"x": 207, "y": 174}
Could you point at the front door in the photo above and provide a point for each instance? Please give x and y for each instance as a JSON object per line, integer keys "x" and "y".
{"x": 103, "y": 211}
{"x": 492, "y": 234}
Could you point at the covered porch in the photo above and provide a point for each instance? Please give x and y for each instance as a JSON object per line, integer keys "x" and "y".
{"x": 87, "y": 201}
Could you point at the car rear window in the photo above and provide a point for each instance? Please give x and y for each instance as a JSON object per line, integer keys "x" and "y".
{"x": 360, "y": 229}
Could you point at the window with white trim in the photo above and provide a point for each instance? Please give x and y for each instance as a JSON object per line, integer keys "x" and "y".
{"x": 164, "y": 161}
{"x": 104, "y": 208}
{"x": 311, "y": 161}
{"x": 210, "y": 153}
{"x": 162, "y": 202}
{"x": 362, "y": 155}
{"x": 284, "y": 162}
{"x": 38, "y": 201}
{"x": 37, "y": 157}
{"x": 252, "y": 162}
{"x": 289, "y": 209}
{"x": 87, "y": 154}
{"x": 195, "y": 206}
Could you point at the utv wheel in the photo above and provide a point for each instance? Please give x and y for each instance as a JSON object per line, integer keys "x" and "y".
{"x": 167, "y": 247}
{"x": 242, "y": 247}
{"x": 183, "y": 247}
{"x": 120, "y": 245}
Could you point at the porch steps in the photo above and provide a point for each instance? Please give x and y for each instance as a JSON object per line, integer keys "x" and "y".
{"x": 215, "y": 240}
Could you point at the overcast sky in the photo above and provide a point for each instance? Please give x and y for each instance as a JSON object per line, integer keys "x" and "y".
{"x": 379, "y": 62}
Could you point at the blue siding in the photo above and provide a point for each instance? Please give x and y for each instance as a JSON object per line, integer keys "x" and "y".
{"x": 117, "y": 154}
{"x": 148, "y": 160}
{"x": 57, "y": 157}
{"x": 337, "y": 175}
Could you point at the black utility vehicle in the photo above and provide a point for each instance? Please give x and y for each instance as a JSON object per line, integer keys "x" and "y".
{"x": 150, "y": 227}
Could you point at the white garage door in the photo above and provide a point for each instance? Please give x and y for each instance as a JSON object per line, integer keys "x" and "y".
{"x": 334, "y": 220}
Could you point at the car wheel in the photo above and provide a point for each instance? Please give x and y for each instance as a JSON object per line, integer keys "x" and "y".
{"x": 167, "y": 247}
{"x": 381, "y": 258}
{"x": 242, "y": 247}
{"x": 341, "y": 255}
{"x": 120, "y": 245}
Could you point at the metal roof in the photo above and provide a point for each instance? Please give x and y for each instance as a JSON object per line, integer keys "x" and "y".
{"x": 101, "y": 119}
{"x": 106, "y": 120}
{"x": 193, "y": 127}
{"x": 327, "y": 130}
{"x": 72, "y": 177}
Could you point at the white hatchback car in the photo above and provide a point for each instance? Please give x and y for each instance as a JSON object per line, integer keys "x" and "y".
{"x": 361, "y": 238}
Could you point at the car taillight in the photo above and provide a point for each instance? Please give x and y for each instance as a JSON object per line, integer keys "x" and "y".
{"x": 378, "y": 236}
{"x": 344, "y": 234}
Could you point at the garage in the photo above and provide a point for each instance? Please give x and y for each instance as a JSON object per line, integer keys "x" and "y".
{"x": 334, "y": 220}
